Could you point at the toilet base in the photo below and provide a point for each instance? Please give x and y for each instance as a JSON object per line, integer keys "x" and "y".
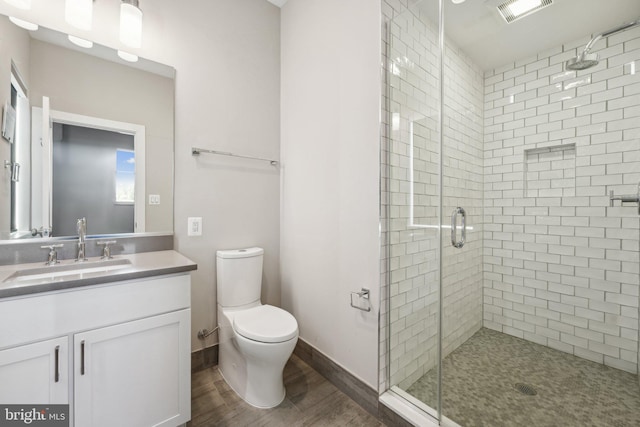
{"x": 258, "y": 403}
{"x": 253, "y": 369}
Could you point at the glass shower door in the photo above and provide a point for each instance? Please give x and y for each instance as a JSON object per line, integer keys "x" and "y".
{"x": 413, "y": 236}
{"x": 540, "y": 304}
{"x": 435, "y": 180}
{"x": 512, "y": 234}
{"x": 462, "y": 207}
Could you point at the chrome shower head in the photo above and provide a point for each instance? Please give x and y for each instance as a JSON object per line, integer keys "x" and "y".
{"x": 587, "y": 60}
{"x": 582, "y": 62}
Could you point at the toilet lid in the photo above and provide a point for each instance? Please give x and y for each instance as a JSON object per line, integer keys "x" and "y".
{"x": 266, "y": 323}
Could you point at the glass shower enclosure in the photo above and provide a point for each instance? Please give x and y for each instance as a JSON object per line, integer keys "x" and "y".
{"x": 510, "y": 218}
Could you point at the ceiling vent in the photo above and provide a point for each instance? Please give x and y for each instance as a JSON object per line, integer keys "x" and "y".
{"x": 512, "y": 10}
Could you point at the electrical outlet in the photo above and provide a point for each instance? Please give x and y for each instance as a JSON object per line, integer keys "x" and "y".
{"x": 154, "y": 199}
{"x": 194, "y": 226}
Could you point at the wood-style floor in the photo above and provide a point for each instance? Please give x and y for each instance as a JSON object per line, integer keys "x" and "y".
{"x": 311, "y": 401}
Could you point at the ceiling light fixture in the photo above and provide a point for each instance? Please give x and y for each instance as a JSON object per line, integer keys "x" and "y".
{"x": 129, "y": 57}
{"x": 512, "y": 10}
{"x": 130, "y": 23}
{"x": 24, "y": 24}
{"x": 521, "y": 7}
{"x": 20, "y": 4}
{"x": 80, "y": 42}
{"x": 457, "y": 1}
{"x": 79, "y": 13}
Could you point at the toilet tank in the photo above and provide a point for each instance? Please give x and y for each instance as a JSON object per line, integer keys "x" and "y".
{"x": 239, "y": 276}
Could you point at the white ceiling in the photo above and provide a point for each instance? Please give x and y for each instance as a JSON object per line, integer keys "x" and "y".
{"x": 478, "y": 29}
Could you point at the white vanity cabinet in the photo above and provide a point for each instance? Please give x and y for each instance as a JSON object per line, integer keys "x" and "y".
{"x": 35, "y": 373}
{"x": 123, "y": 351}
{"x": 130, "y": 374}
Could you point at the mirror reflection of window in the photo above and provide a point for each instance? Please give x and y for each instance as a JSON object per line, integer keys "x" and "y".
{"x": 125, "y": 176}
{"x": 85, "y": 161}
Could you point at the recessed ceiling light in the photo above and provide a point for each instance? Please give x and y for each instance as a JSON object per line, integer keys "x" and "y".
{"x": 457, "y": 1}
{"x": 521, "y": 7}
{"x": 512, "y": 10}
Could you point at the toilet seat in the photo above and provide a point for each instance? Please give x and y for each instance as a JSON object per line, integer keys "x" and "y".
{"x": 266, "y": 323}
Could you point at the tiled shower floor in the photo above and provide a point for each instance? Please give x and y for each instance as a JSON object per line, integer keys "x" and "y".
{"x": 479, "y": 379}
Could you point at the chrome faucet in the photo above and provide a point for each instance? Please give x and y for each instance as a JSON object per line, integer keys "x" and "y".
{"x": 81, "y": 226}
{"x": 106, "y": 252}
{"x": 53, "y": 254}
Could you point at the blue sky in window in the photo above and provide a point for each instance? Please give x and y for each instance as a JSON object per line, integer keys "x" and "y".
{"x": 125, "y": 161}
{"x": 125, "y": 176}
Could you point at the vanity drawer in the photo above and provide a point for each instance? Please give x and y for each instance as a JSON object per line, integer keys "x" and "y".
{"x": 42, "y": 316}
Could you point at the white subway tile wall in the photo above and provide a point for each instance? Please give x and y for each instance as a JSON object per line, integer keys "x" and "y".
{"x": 550, "y": 171}
{"x": 463, "y": 186}
{"x": 560, "y": 264}
{"x": 530, "y": 152}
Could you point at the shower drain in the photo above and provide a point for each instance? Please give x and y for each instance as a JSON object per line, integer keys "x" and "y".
{"x": 526, "y": 389}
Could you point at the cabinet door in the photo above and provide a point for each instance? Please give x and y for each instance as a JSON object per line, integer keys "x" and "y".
{"x": 134, "y": 374}
{"x": 35, "y": 373}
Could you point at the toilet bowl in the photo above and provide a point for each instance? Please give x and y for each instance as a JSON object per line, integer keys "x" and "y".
{"x": 255, "y": 344}
{"x": 256, "y": 340}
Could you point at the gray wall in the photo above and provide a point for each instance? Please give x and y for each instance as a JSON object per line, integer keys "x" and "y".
{"x": 84, "y": 167}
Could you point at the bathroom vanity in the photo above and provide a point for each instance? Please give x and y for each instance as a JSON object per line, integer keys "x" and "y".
{"x": 113, "y": 342}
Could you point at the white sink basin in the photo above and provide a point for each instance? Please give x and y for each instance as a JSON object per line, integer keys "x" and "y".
{"x": 60, "y": 271}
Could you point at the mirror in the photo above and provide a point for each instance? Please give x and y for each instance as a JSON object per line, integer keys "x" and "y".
{"x": 93, "y": 137}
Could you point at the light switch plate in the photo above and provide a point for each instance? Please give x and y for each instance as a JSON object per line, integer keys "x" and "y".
{"x": 154, "y": 199}
{"x": 194, "y": 226}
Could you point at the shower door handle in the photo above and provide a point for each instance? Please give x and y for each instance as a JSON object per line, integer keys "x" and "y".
{"x": 454, "y": 223}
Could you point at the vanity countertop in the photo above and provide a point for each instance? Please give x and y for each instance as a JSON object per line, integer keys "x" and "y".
{"x": 19, "y": 280}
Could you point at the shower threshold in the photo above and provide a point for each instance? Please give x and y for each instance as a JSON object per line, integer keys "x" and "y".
{"x": 412, "y": 410}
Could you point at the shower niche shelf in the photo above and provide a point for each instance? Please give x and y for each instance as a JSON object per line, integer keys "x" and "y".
{"x": 550, "y": 171}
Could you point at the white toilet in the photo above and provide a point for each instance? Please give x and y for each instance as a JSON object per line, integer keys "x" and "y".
{"x": 256, "y": 340}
